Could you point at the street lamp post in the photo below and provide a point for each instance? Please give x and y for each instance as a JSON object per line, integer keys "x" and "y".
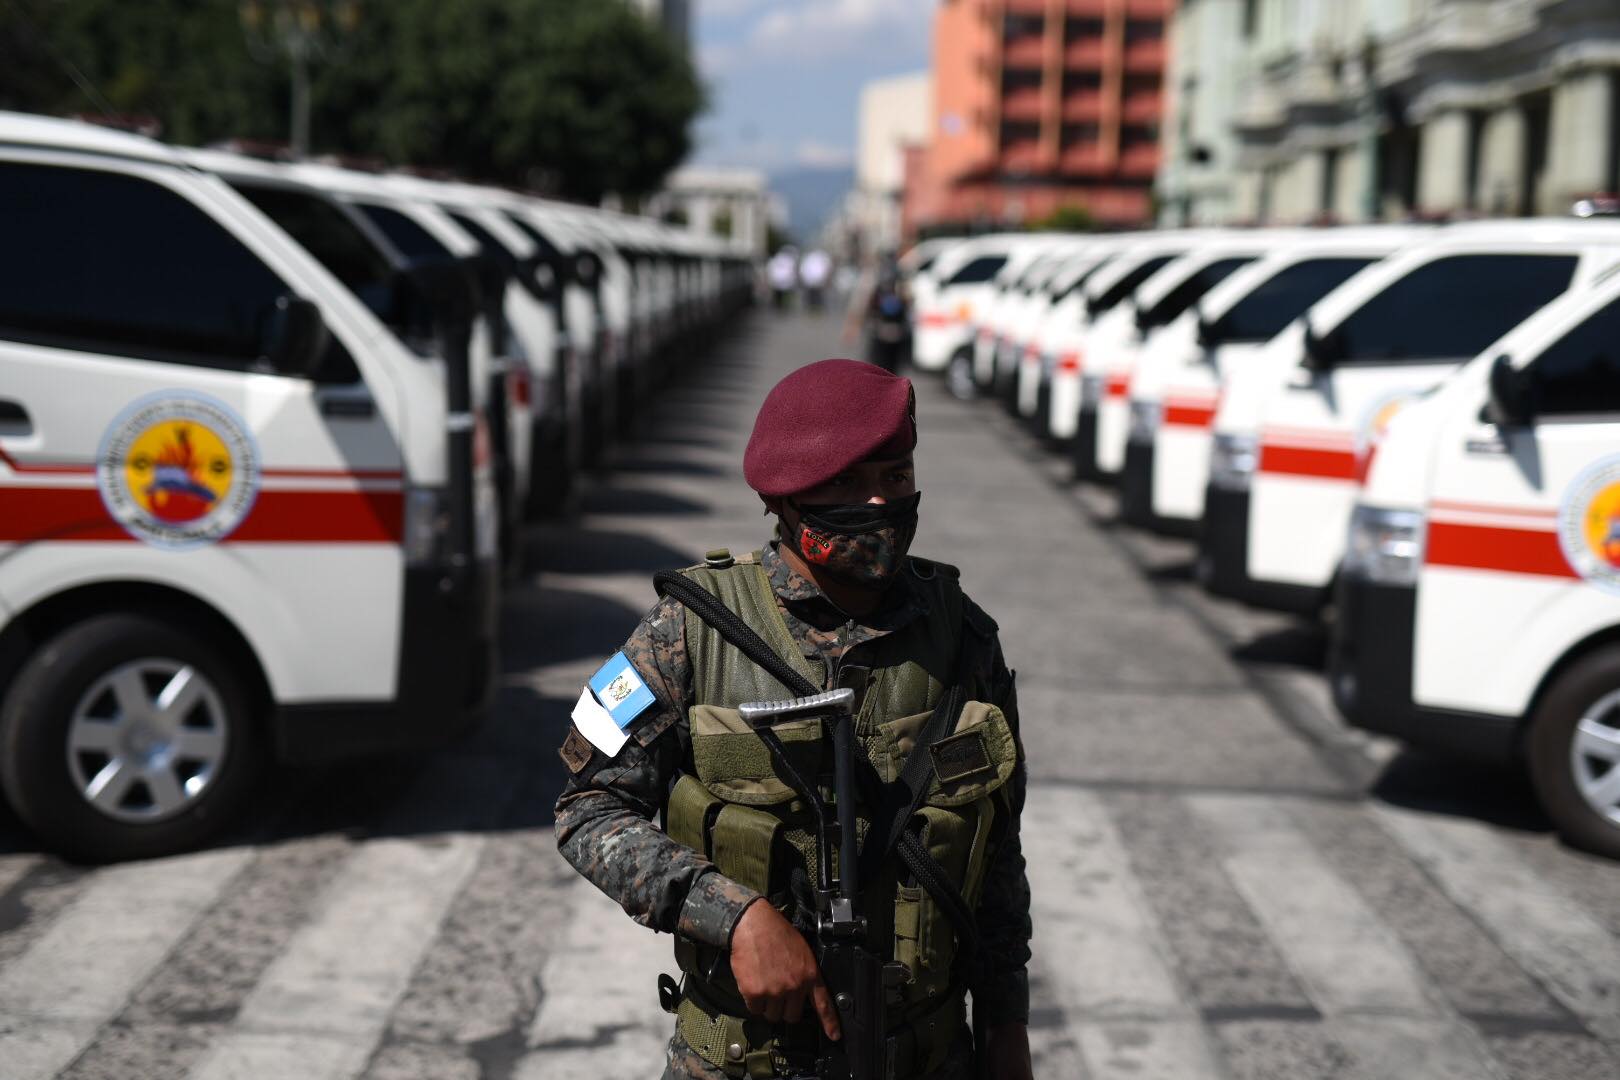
{"x": 1371, "y": 201}
{"x": 299, "y": 32}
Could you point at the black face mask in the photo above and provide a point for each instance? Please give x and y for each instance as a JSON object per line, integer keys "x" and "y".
{"x": 861, "y": 544}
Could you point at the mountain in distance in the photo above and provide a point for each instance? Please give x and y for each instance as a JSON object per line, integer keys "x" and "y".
{"x": 811, "y": 194}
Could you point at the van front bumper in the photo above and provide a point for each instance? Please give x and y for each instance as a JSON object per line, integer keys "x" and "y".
{"x": 1370, "y": 670}
{"x": 1223, "y": 558}
{"x": 446, "y": 681}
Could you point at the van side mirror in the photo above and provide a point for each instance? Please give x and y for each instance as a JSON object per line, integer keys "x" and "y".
{"x": 541, "y": 278}
{"x": 1511, "y": 402}
{"x": 1322, "y": 351}
{"x": 297, "y": 337}
{"x": 1209, "y": 332}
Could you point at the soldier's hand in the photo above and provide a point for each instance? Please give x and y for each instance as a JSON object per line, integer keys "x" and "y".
{"x": 1008, "y": 1052}
{"x": 776, "y": 971}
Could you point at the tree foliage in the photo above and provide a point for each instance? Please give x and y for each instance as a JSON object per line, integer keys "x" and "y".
{"x": 580, "y": 97}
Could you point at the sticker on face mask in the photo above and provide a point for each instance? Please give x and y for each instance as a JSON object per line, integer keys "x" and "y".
{"x": 815, "y": 546}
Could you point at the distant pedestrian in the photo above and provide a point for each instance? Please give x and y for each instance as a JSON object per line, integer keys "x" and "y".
{"x": 879, "y": 307}
{"x": 815, "y": 274}
{"x": 783, "y": 273}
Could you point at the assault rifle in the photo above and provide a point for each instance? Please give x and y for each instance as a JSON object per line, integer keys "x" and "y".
{"x": 854, "y": 974}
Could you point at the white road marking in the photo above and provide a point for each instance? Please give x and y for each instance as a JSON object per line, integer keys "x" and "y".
{"x": 600, "y": 1018}
{"x": 1548, "y": 934}
{"x": 102, "y": 947}
{"x": 1098, "y": 948}
{"x": 1377, "y": 1001}
{"x": 320, "y": 1009}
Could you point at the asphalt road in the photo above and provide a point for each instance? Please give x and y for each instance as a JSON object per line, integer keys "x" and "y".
{"x": 1227, "y": 882}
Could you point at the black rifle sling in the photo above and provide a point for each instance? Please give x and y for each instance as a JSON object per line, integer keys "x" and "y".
{"x": 916, "y": 776}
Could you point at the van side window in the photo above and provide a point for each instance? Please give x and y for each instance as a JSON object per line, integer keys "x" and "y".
{"x": 1183, "y": 296}
{"x": 1581, "y": 373}
{"x": 1126, "y": 285}
{"x": 979, "y": 270}
{"x": 1452, "y": 308}
{"x": 109, "y": 263}
{"x": 1282, "y": 298}
{"x": 413, "y": 241}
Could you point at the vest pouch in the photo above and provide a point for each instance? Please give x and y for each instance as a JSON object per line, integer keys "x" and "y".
{"x": 735, "y": 764}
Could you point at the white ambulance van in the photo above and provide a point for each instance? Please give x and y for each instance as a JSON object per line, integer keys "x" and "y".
{"x": 1479, "y": 604}
{"x": 239, "y": 515}
{"x": 943, "y": 316}
{"x": 1293, "y": 437}
{"x": 995, "y": 334}
{"x": 1046, "y": 353}
{"x": 1135, "y": 328}
{"x": 1024, "y": 320}
{"x": 1138, "y": 258}
{"x": 1177, "y": 383}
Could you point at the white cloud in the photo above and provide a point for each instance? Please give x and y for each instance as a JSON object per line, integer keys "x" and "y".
{"x": 820, "y": 155}
{"x": 817, "y": 29}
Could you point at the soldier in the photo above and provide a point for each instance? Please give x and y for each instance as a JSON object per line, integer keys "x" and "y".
{"x": 836, "y": 594}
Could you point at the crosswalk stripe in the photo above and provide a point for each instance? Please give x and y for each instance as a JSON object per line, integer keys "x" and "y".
{"x": 1101, "y": 954}
{"x": 98, "y": 952}
{"x": 324, "y": 1003}
{"x": 600, "y": 1019}
{"x": 1376, "y": 1001}
{"x": 1549, "y": 935}
{"x": 1347, "y": 957}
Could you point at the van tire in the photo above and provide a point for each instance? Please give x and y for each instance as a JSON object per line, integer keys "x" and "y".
{"x": 1551, "y": 745}
{"x": 38, "y": 714}
{"x": 959, "y": 376}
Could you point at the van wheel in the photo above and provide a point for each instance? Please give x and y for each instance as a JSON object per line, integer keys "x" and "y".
{"x": 1575, "y": 753}
{"x": 123, "y": 737}
{"x": 959, "y": 376}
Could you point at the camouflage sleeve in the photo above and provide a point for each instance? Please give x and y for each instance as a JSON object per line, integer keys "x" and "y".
{"x": 1002, "y": 986}
{"x": 604, "y": 816}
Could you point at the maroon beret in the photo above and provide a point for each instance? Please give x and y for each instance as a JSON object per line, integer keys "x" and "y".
{"x": 822, "y": 419}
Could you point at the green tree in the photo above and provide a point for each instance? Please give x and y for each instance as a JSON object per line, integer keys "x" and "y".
{"x": 580, "y": 97}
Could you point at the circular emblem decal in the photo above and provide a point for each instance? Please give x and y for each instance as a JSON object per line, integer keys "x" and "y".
{"x": 1589, "y": 524}
{"x": 178, "y": 472}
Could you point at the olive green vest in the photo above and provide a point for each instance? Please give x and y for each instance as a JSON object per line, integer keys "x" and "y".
{"x": 731, "y": 805}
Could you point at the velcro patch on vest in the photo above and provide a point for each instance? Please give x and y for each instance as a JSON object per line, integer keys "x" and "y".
{"x": 961, "y": 756}
{"x": 575, "y": 751}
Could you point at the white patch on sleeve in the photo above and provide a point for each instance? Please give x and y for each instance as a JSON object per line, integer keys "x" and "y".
{"x": 596, "y": 724}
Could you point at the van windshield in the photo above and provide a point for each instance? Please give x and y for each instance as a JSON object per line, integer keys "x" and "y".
{"x": 1190, "y": 291}
{"x": 978, "y": 271}
{"x": 327, "y": 233}
{"x": 1452, "y": 308}
{"x": 412, "y": 240}
{"x": 1127, "y": 284}
{"x": 1283, "y": 297}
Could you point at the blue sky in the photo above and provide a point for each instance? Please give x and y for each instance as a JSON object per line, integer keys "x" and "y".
{"x": 785, "y": 76}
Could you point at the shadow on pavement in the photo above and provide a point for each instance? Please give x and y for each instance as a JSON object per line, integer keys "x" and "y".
{"x": 600, "y": 551}
{"x": 639, "y": 501}
{"x": 1496, "y": 795}
{"x": 1302, "y": 645}
{"x": 542, "y": 626}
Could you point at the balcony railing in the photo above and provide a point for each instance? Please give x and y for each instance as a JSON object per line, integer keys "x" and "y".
{"x": 1028, "y": 51}
{"x": 1145, "y": 55}
{"x": 1143, "y": 108}
{"x": 1083, "y": 106}
{"x": 1085, "y": 54}
{"x": 1022, "y": 105}
{"x": 1140, "y": 160}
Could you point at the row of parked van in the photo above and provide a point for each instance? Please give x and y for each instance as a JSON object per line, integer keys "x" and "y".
{"x": 267, "y": 433}
{"x": 1411, "y": 432}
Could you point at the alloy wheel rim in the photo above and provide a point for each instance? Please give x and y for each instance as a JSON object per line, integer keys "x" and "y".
{"x": 1595, "y": 756}
{"x": 147, "y": 740}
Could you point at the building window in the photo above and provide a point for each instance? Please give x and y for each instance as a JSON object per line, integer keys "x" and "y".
{"x": 1078, "y": 29}
{"x": 1022, "y": 26}
{"x": 1143, "y": 30}
{"x": 1138, "y": 134}
{"x": 1251, "y": 18}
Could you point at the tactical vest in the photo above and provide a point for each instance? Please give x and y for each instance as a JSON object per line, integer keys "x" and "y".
{"x": 731, "y": 805}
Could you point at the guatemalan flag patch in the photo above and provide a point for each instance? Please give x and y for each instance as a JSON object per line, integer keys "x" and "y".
{"x": 615, "y": 696}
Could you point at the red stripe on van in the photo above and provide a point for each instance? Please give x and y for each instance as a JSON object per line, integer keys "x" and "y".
{"x": 1490, "y": 547}
{"x": 35, "y": 515}
{"x": 1308, "y": 461}
{"x": 1119, "y": 385}
{"x": 1189, "y": 414}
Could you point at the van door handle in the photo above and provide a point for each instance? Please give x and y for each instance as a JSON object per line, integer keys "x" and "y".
{"x": 348, "y": 408}
{"x": 14, "y": 419}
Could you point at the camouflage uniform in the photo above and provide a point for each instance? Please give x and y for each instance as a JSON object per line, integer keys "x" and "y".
{"x": 604, "y": 816}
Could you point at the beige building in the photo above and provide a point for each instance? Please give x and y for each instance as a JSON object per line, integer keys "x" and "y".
{"x": 733, "y": 204}
{"x": 894, "y": 114}
{"x": 1299, "y": 110}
